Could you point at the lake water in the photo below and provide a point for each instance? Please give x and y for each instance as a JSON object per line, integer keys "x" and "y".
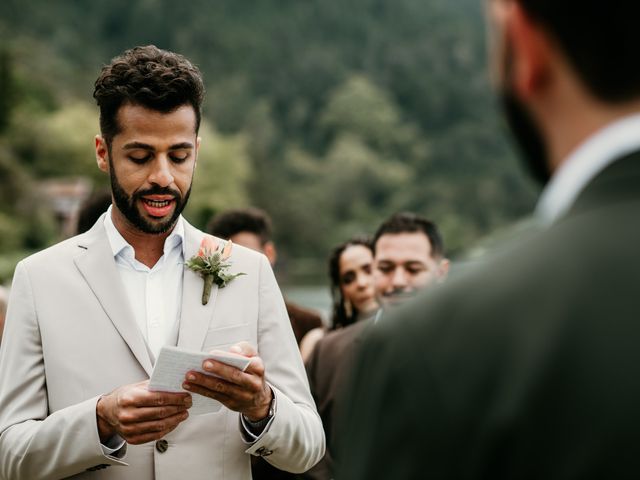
{"x": 314, "y": 297}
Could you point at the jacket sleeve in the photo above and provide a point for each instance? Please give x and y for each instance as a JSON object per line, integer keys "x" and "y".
{"x": 35, "y": 443}
{"x": 294, "y": 441}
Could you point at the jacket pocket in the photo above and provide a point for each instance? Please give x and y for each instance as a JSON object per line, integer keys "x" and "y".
{"x": 222, "y": 338}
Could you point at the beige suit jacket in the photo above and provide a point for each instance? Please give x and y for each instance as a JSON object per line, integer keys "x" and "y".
{"x": 71, "y": 336}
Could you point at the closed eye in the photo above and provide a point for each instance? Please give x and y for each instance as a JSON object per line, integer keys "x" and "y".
{"x": 140, "y": 159}
{"x": 179, "y": 157}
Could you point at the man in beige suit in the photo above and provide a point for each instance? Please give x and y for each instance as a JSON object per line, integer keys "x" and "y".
{"x": 87, "y": 317}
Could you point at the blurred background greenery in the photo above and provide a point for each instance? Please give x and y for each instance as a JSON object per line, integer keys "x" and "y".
{"x": 331, "y": 115}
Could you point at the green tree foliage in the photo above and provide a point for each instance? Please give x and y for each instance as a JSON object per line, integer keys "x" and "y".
{"x": 58, "y": 143}
{"x": 222, "y": 175}
{"x": 330, "y": 115}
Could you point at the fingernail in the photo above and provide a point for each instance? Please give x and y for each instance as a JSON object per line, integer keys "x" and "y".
{"x": 186, "y": 386}
{"x": 191, "y": 377}
{"x": 208, "y": 365}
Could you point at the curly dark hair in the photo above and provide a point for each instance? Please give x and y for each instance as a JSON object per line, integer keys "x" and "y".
{"x": 341, "y": 318}
{"x": 147, "y": 76}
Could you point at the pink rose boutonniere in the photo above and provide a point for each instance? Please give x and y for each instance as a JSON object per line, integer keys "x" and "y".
{"x": 211, "y": 264}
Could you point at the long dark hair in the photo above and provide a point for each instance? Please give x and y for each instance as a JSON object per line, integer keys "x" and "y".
{"x": 341, "y": 317}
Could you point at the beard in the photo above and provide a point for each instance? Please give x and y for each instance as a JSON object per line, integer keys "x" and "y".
{"x": 127, "y": 204}
{"x": 527, "y": 135}
{"x": 523, "y": 126}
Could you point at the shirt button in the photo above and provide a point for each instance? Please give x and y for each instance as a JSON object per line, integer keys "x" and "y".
{"x": 162, "y": 445}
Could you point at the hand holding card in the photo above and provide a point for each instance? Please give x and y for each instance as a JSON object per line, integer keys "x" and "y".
{"x": 172, "y": 365}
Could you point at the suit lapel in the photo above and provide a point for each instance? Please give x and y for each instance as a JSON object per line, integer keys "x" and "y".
{"x": 98, "y": 267}
{"x": 195, "y": 317}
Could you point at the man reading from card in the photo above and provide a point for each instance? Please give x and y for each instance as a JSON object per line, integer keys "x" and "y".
{"x": 88, "y": 317}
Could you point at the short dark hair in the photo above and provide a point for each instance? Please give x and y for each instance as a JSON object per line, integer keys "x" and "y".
{"x": 406, "y": 222}
{"x": 150, "y": 77}
{"x": 91, "y": 209}
{"x": 231, "y": 222}
{"x": 341, "y": 317}
{"x": 599, "y": 40}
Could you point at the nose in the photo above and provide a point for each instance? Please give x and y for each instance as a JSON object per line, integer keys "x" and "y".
{"x": 363, "y": 280}
{"x": 161, "y": 174}
{"x": 400, "y": 278}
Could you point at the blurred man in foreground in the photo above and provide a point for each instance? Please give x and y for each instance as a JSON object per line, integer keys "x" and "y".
{"x": 527, "y": 368}
{"x": 408, "y": 257}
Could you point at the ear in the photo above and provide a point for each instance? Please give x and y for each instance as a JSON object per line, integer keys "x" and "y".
{"x": 270, "y": 252}
{"x": 531, "y": 51}
{"x": 443, "y": 269}
{"x": 102, "y": 153}
{"x": 198, "y": 140}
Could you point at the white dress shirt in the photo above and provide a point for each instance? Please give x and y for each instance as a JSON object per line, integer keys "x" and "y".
{"x": 155, "y": 294}
{"x": 584, "y": 163}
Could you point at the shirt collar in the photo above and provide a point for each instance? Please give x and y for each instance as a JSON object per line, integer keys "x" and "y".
{"x": 586, "y": 162}
{"x": 118, "y": 243}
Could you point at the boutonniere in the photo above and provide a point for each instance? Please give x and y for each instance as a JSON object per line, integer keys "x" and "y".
{"x": 211, "y": 264}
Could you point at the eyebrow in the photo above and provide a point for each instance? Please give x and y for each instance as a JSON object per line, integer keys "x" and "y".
{"x": 146, "y": 146}
{"x": 415, "y": 262}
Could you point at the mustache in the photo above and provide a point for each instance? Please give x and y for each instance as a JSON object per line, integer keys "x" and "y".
{"x": 158, "y": 191}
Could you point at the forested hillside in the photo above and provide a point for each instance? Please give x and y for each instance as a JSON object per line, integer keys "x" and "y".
{"x": 329, "y": 114}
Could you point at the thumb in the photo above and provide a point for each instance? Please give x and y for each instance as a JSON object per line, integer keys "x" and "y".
{"x": 244, "y": 348}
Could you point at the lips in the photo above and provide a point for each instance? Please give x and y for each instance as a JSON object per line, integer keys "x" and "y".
{"x": 158, "y": 205}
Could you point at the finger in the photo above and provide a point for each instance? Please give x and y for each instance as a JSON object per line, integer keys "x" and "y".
{"x": 162, "y": 399}
{"x": 136, "y": 415}
{"x": 244, "y": 348}
{"x": 208, "y": 392}
{"x": 226, "y": 372}
{"x": 155, "y": 428}
{"x": 218, "y": 389}
{"x": 256, "y": 368}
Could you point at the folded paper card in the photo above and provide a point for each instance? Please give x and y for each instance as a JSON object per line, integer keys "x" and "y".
{"x": 172, "y": 365}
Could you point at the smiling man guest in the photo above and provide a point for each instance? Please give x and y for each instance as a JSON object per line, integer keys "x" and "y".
{"x": 88, "y": 317}
{"x": 408, "y": 253}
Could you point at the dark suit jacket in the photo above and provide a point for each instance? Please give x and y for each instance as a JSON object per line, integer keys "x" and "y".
{"x": 527, "y": 368}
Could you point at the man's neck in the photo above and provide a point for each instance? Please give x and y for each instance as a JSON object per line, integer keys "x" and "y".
{"x": 148, "y": 247}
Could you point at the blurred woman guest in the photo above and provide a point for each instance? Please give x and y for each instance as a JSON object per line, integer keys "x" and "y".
{"x": 352, "y": 290}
